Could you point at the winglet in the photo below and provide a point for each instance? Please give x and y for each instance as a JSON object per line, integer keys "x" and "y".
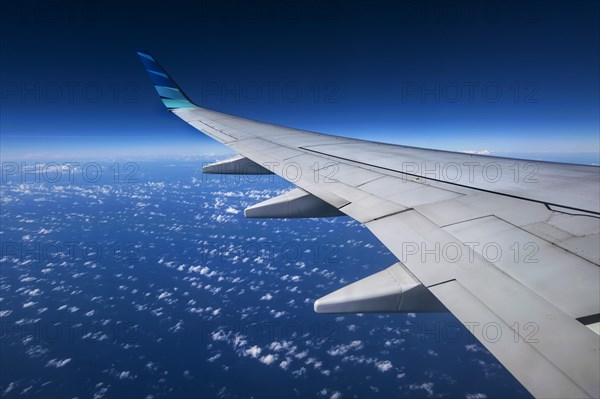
{"x": 170, "y": 94}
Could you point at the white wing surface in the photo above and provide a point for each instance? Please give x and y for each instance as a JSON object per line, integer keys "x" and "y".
{"x": 511, "y": 247}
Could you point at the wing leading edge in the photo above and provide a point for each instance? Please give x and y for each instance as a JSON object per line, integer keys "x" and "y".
{"x": 413, "y": 204}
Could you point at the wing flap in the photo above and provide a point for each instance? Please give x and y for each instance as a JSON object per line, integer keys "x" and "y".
{"x": 569, "y": 281}
{"x": 419, "y": 244}
{"x": 550, "y": 353}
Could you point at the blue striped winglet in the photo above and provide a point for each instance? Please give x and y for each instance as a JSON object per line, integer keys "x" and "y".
{"x": 170, "y": 94}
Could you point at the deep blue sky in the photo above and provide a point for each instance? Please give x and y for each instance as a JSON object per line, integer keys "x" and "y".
{"x": 72, "y": 83}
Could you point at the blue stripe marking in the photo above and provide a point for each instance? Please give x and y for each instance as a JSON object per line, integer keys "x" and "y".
{"x": 151, "y": 65}
{"x": 177, "y": 103}
{"x": 145, "y": 55}
{"x": 160, "y": 81}
{"x": 168, "y": 92}
{"x": 159, "y": 74}
{"x": 170, "y": 95}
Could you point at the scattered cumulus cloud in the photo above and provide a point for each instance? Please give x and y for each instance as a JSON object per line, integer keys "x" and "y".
{"x": 58, "y": 363}
{"x": 254, "y": 351}
{"x": 384, "y": 365}
{"x": 268, "y": 359}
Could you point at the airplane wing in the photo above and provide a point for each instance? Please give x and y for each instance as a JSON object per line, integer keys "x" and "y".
{"x": 510, "y": 247}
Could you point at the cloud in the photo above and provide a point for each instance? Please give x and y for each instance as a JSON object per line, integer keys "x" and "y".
{"x": 9, "y": 388}
{"x": 384, "y": 365}
{"x": 203, "y": 270}
{"x": 478, "y": 152}
{"x": 299, "y": 372}
{"x": 473, "y": 348}
{"x": 254, "y": 351}
{"x": 58, "y": 363}
{"x": 339, "y": 350}
{"x": 283, "y": 345}
{"x": 268, "y": 359}
{"x": 125, "y": 375}
{"x": 285, "y": 364}
{"x": 266, "y": 297}
{"x": 426, "y": 386}
{"x": 431, "y": 352}
{"x": 277, "y": 314}
{"x": 213, "y": 358}
{"x": 220, "y": 218}
{"x": 164, "y": 295}
{"x": 177, "y": 327}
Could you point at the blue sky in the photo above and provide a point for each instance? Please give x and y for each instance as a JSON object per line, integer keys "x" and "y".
{"x": 506, "y": 77}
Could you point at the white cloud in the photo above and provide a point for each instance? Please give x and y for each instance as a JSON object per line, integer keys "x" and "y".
{"x": 58, "y": 363}
{"x": 339, "y": 350}
{"x": 220, "y": 218}
{"x": 277, "y": 314}
{"x": 473, "y": 348}
{"x": 177, "y": 327}
{"x": 476, "y": 396}
{"x": 213, "y": 358}
{"x": 164, "y": 295}
{"x": 268, "y": 359}
{"x": 285, "y": 364}
{"x": 254, "y": 351}
{"x": 203, "y": 270}
{"x": 9, "y": 388}
{"x": 299, "y": 372}
{"x": 266, "y": 297}
{"x": 125, "y": 375}
{"x": 426, "y": 386}
{"x": 384, "y": 365}
{"x": 219, "y": 336}
{"x": 283, "y": 345}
